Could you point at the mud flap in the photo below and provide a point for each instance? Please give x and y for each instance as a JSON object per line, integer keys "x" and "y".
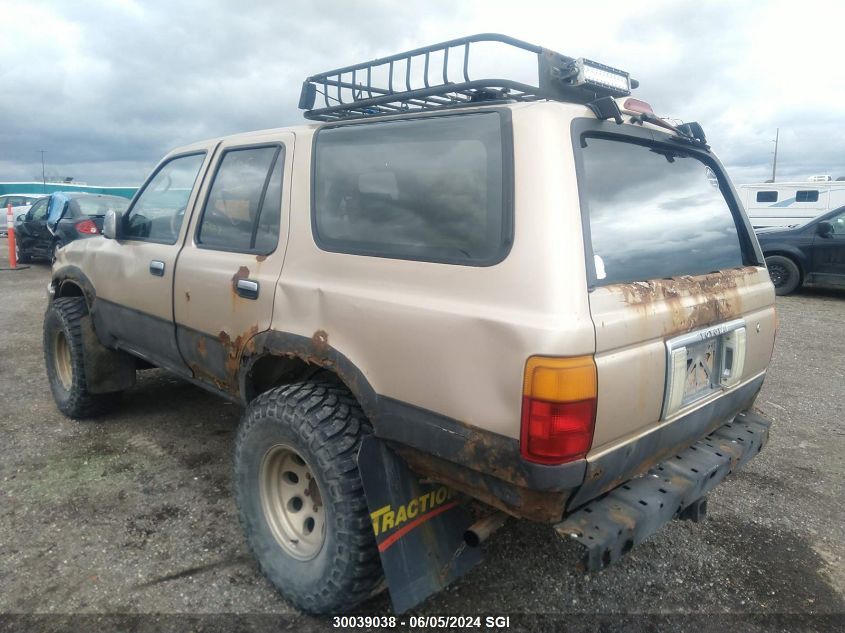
{"x": 419, "y": 527}
{"x": 106, "y": 370}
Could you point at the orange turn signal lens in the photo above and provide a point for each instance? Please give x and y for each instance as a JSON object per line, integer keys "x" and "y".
{"x": 560, "y": 379}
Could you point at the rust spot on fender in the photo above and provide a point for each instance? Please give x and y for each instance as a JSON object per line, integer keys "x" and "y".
{"x": 243, "y": 344}
{"x": 516, "y": 500}
{"x": 260, "y": 258}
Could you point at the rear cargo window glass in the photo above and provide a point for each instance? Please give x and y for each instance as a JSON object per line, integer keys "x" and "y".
{"x": 97, "y": 205}
{"x": 654, "y": 213}
{"x": 427, "y": 189}
{"x": 807, "y": 196}
{"x": 767, "y": 196}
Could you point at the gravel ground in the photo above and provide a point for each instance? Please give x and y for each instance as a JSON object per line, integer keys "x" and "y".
{"x": 133, "y": 514}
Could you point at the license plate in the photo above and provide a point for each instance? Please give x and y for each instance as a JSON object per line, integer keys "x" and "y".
{"x": 702, "y": 362}
{"x": 701, "y": 368}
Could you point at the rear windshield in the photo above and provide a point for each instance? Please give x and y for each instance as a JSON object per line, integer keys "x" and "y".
{"x": 654, "y": 213}
{"x": 97, "y": 205}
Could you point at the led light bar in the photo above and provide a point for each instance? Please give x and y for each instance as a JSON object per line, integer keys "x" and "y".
{"x": 592, "y": 73}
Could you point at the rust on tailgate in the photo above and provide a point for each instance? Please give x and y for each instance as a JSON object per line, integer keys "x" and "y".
{"x": 693, "y": 301}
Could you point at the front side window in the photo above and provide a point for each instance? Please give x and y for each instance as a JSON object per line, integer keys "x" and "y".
{"x": 654, "y": 213}
{"x": 243, "y": 209}
{"x": 807, "y": 196}
{"x": 38, "y": 211}
{"x": 158, "y": 212}
{"x": 430, "y": 189}
{"x": 767, "y": 196}
{"x": 838, "y": 224}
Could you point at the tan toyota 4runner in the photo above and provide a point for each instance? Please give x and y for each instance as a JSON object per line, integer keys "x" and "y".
{"x": 540, "y": 297}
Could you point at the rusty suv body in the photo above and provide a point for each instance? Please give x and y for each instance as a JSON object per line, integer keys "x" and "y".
{"x": 433, "y": 329}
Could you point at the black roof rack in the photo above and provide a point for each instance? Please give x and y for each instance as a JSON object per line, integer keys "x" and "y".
{"x": 355, "y": 91}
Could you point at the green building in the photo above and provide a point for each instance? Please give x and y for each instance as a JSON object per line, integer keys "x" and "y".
{"x": 50, "y": 187}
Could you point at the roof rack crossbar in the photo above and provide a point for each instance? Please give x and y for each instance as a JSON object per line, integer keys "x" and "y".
{"x": 344, "y": 96}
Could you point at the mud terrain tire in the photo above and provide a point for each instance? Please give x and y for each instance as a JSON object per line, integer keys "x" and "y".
{"x": 317, "y": 426}
{"x": 65, "y": 363}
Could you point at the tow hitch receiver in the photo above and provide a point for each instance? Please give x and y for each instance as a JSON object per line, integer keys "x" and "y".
{"x": 610, "y": 526}
{"x": 419, "y": 527}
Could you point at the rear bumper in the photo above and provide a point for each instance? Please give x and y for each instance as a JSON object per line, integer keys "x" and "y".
{"x": 611, "y": 525}
{"x": 615, "y": 467}
{"x": 490, "y": 468}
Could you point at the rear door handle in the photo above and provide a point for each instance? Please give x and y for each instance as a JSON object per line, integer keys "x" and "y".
{"x": 157, "y": 268}
{"x": 247, "y": 288}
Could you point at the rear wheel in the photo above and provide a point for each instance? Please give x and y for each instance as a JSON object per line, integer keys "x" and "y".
{"x": 784, "y": 273}
{"x": 300, "y": 496}
{"x": 65, "y": 362}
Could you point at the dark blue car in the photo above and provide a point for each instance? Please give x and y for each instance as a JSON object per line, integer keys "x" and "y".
{"x": 813, "y": 252}
{"x": 60, "y": 218}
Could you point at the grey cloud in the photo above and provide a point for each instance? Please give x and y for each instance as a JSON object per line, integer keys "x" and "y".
{"x": 149, "y": 76}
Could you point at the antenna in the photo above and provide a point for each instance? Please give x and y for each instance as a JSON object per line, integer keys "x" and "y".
{"x": 43, "y": 177}
{"x": 775, "y": 161}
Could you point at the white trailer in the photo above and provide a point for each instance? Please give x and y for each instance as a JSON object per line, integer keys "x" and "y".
{"x": 790, "y": 203}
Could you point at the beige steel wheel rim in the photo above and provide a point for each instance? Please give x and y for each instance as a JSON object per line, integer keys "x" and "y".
{"x": 62, "y": 361}
{"x": 292, "y": 502}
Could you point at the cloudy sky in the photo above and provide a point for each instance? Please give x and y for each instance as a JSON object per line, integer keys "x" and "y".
{"x": 106, "y": 88}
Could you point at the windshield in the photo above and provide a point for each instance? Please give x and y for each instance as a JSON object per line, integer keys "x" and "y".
{"x": 654, "y": 214}
{"x": 98, "y": 205}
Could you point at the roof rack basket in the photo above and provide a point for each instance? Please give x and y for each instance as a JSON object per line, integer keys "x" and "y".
{"x": 355, "y": 91}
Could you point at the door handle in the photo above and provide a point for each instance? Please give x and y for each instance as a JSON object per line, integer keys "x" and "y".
{"x": 247, "y": 288}
{"x": 157, "y": 268}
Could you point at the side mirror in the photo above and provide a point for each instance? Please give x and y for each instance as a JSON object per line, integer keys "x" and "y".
{"x": 824, "y": 229}
{"x": 113, "y": 225}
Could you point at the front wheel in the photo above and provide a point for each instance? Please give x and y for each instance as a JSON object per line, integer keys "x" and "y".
{"x": 20, "y": 256}
{"x": 784, "y": 274}
{"x": 301, "y": 499}
{"x": 65, "y": 362}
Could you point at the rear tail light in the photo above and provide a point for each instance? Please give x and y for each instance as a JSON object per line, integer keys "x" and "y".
{"x": 558, "y": 409}
{"x": 87, "y": 227}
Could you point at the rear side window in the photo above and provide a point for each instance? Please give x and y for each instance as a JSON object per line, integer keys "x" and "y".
{"x": 243, "y": 209}
{"x": 807, "y": 196}
{"x": 654, "y": 213}
{"x": 430, "y": 189}
{"x": 97, "y": 205}
{"x": 767, "y": 196}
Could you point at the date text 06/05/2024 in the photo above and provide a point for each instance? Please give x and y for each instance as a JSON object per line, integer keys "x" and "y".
{"x": 422, "y": 621}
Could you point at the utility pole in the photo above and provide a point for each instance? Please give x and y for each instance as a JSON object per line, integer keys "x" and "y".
{"x": 775, "y": 161}
{"x": 43, "y": 177}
